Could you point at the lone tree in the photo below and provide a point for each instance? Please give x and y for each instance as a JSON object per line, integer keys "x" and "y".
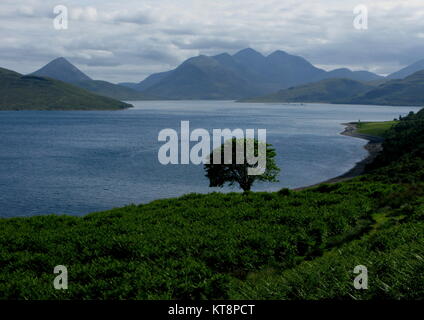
{"x": 241, "y": 161}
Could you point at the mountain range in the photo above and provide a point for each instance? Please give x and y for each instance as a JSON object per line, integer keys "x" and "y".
{"x": 247, "y": 76}
{"x": 247, "y": 73}
{"x": 19, "y": 92}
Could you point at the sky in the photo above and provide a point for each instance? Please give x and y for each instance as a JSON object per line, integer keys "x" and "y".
{"x": 122, "y": 41}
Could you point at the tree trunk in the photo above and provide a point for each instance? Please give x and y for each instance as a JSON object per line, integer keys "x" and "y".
{"x": 246, "y": 186}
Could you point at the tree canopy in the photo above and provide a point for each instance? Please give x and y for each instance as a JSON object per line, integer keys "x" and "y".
{"x": 242, "y": 161}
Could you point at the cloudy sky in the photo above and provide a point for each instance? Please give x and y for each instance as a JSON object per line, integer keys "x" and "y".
{"x": 128, "y": 40}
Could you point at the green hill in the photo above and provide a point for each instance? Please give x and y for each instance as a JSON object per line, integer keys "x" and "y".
{"x": 406, "y": 92}
{"x": 18, "y": 92}
{"x": 281, "y": 245}
{"x": 325, "y": 91}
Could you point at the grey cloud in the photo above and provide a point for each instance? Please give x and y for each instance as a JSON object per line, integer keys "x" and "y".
{"x": 213, "y": 43}
{"x": 137, "y": 17}
{"x": 157, "y": 55}
{"x": 178, "y": 31}
{"x": 127, "y": 41}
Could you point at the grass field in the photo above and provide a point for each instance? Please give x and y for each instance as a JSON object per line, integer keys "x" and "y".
{"x": 280, "y": 245}
{"x": 375, "y": 128}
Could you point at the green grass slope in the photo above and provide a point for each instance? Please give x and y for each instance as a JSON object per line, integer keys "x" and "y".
{"x": 378, "y": 129}
{"x": 190, "y": 247}
{"x": 281, "y": 245}
{"x": 19, "y": 92}
{"x": 324, "y": 91}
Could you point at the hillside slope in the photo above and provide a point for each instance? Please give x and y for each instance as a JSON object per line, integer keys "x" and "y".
{"x": 353, "y": 75}
{"x": 18, "y": 92}
{"x": 325, "y": 91}
{"x": 113, "y": 91}
{"x": 201, "y": 78}
{"x": 61, "y": 69}
{"x": 407, "y": 71}
{"x": 407, "y": 92}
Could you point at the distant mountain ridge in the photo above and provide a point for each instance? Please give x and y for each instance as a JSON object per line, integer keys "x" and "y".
{"x": 61, "y": 69}
{"x": 324, "y": 91}
{"x": 408, "y": 70}
{"x": 404, "y": 92}
{"x": 19, "y": 92}
{"x": 245, "y": 74}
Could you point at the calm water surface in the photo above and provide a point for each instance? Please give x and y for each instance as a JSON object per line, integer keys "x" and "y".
{"x": 79, "y": 162}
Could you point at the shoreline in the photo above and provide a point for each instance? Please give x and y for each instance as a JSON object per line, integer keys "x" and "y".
{"x": 374, "y": 147}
